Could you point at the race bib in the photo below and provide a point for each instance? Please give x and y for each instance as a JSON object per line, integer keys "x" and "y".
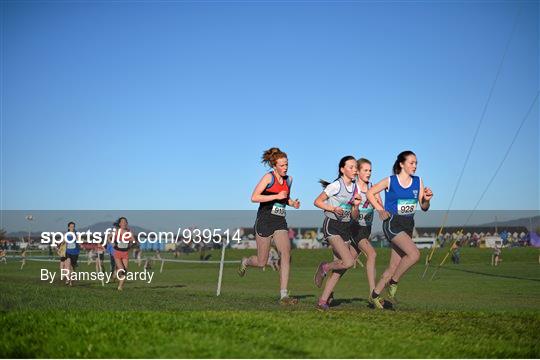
{"x": 278, "y": 209}
{"x": 366, "y": 215}
{"x": 406, "y": 206}
{"x": 71, "y": 241}
{"x": 122, "y": 244}
{"x": 346, "y": 211}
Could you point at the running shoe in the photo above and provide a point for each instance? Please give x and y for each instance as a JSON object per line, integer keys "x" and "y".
{"x": 243, "y": 267}
{"x": 392, "y": 289}
{"x": 319, "y": 275}
{"x": 288, "y": 301}
{"x": 323, "y": 307}
{"x": 370, "y": 302}
{"x": 388, "y": 305}
{"x": 377, "y": 302}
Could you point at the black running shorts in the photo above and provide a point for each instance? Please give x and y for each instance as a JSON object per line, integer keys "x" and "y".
{"x": 267, "y": 224}
{"x": 333, "y": 227}
{"x": 396, "y": 224}
{"x": 359, "y": 232}
{"x": 73, "y": 259}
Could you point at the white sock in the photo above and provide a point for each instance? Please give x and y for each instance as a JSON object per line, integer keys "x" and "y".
{"x": 284, "y": 293}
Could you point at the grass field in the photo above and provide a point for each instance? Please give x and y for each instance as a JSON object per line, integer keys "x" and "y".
{"x": 469, "y": 310}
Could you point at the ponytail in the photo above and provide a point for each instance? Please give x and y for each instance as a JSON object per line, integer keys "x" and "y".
{"x": 272, "y": 155}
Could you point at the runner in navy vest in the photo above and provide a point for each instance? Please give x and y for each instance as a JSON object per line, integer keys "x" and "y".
{"x": 404, "y": 191}
{"x": 110, "y": 251}
{"x": 273, "y": 194}
{"x": 72, "y": 251}
{"x": 340, "y": 204}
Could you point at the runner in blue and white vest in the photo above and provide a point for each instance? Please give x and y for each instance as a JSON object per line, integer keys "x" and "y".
{"x": 403, "y": 192}
{"x": 340, "y": 204}
{"x": 362, "y": 228}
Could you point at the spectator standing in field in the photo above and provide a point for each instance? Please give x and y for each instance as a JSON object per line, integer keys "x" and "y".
{"x": 496, "y": 256}
{"x": 23, "y": 258}
{"x": 456, "y": 256}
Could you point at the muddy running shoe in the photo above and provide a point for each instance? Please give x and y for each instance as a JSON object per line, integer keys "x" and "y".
{"x": 392, "y": 289}
{"x": 376, "y": 302}
{"x": 243, "y": 267}
{"x": 370, "y": 302}
{"x": 288, "y": 301}
{"x": 322, "y": 306}
{"x": 388, "y": 305}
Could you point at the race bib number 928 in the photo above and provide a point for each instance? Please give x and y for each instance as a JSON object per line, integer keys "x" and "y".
{"x": 406, "y": 206}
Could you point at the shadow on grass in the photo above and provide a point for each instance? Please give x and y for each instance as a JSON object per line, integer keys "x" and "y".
{"x": 337, "y": 302}
{"x": 159, "y": 287}
{"x": 488, "y": 274}
{"x": 303, "y": 296}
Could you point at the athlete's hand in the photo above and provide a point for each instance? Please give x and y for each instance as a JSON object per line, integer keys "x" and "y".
{"x": 282, "y": 195}
{"x": 338, "y": 211}
{"x": 296, "y": 204}
{"x": 357, "y": 200}
{"x": 383, "y": 214}
{"x": 428, "y": 194}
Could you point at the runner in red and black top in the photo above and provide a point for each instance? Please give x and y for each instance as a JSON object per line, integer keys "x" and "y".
{"x": 271, "y": 214}
{"x": 273, "y": 194}
{"x": 122, "y": 244}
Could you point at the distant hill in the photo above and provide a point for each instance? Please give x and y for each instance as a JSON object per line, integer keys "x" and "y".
{"x": 522, "y": 224}
{"x": 526, "y": 222}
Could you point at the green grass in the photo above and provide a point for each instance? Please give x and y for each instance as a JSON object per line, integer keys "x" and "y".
{"x": 469, "y": 310}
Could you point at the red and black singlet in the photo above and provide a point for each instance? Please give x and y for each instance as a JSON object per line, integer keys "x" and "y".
{"x": 273, "y": 188}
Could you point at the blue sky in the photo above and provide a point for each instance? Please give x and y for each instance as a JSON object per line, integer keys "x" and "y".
{"x": 169, "y": 105}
